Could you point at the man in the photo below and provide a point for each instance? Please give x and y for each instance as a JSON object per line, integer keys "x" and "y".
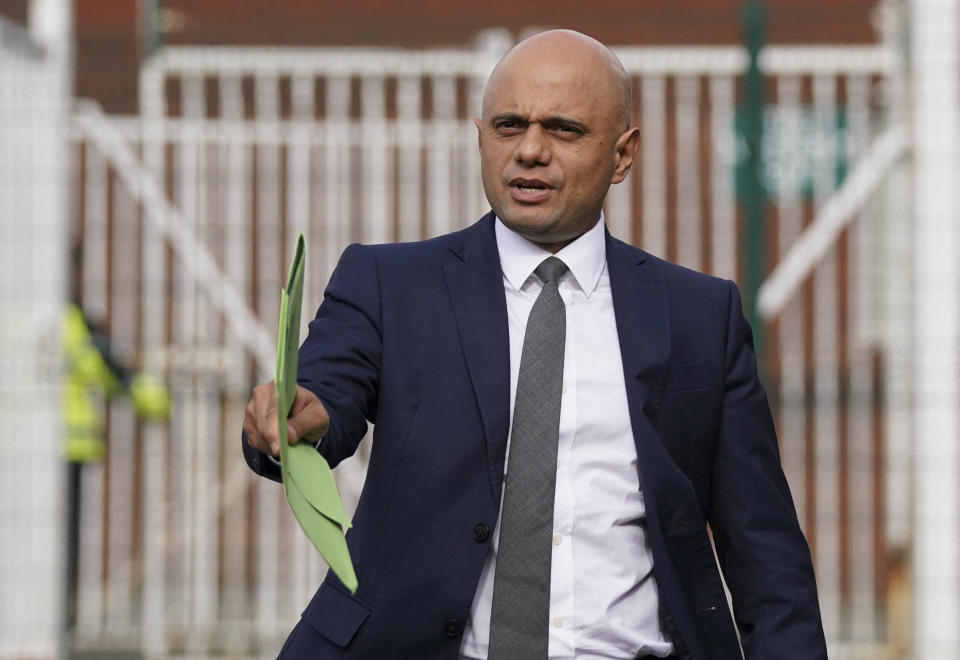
{"x": 618, "y": 392}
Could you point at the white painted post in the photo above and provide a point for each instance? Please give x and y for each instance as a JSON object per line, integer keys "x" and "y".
{"x": 936, "y": 533}
{"x": 154, "y": 512}
{"x": 898, "y": 342}
{"x": 34, "y": 98}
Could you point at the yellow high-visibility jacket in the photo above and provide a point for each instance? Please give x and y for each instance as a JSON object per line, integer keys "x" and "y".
{"x": 91, "y": 378}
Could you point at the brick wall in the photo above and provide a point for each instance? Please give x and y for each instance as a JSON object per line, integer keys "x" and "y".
{"x": 109, "y": 43}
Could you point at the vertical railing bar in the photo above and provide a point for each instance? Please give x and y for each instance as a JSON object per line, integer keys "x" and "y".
{"x": 439, "y": 163}
{"x": 91, "y": 605}
{"x": 269, "y": 608}
{"x": 618, "y": 214}
{"x": 203, "y": 385}
{"x": 653, "y": 101}
{"x": 793, "y": 421}
{"x": 722, "y": 161}
{"x": 377, "y": 161}
{"x": 298, "y": 206}
{"x": 337, "y": 167}
{"x": 687, "y": 127}
{"x": 236, "y": 163}
{"x": 409, "y": 141}
{"x": 863, "y": 606}
{"x": 826, "y": 386}
{"x": 183, "y": 450}
{"x": 475, "y": 202}
{"x": 121, "y": 486}
{"x": 153, "y": 271}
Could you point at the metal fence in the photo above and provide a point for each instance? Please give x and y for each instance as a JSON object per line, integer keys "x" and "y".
{"x": 187, "y": 213}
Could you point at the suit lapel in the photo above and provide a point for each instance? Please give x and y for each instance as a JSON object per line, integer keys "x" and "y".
{"x": 475, "y": 283}
{"x": 643, "y": 325}
{"x": 642, "y": 308}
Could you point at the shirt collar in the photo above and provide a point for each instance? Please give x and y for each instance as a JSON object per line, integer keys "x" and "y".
{"x": 585, "y": 256}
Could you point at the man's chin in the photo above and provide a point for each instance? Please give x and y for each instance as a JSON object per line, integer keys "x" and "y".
{"x": 531, "y": 228}
{"x": 538, "y": 231}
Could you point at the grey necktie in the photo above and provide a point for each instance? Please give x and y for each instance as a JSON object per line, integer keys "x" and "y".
{"x": 519, "y": 620}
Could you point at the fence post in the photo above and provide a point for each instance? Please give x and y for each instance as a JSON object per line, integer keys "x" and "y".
{"x": 936, "y": 382}
{"x": 752, "y": 193}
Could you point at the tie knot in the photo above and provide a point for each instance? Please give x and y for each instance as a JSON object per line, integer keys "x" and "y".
{"x": 550, "y": 269}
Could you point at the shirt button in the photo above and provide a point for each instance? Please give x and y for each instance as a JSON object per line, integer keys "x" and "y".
{"x": 558, "y": 622}
{"x": 481, "y": 533}
{"x": 557, "y": 539}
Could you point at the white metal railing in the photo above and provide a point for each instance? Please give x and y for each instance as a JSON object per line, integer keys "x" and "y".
{"x": 236, "y": 150}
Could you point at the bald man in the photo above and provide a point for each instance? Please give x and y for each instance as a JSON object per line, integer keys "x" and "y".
{"x": 645, "y": 424}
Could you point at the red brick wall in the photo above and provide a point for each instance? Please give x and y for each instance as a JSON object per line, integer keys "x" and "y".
{"x": 108, "y": 40}
{"x": 108, "y": 52}
{"x": 441, "y": 22}
{"x": 14, "y": 10}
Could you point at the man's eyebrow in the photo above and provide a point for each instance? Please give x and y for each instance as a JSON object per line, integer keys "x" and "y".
{"x": 565, "y": 121}
{"x": 508, "y": 116}
{"x": 556, "y": 120}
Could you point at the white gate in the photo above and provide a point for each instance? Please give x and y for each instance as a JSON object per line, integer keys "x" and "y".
{"x": 188, "y": 212}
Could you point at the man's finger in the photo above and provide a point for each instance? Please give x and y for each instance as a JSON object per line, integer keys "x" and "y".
{"x": 265, "y": 416}
{"x": 308, "y": 418}
{"x": 267, "y": 426}
{"x": 254, "y": 438}
{"x": 303, "y": 428}
{"x": 293, "y": 434}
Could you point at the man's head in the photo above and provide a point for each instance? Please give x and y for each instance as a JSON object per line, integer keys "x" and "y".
{"x": 554, "y": 134}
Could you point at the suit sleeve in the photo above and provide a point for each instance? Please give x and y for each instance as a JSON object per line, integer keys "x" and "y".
{"x": 762, "y": 551}
{"x": 340, "y": 359}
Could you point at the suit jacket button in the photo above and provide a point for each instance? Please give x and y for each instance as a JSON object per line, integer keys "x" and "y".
{"x": 481, "y": 533}
{"x": 453, "y": 628}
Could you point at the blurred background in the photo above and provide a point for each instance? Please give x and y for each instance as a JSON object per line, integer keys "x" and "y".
{"x": 158, "y": 157}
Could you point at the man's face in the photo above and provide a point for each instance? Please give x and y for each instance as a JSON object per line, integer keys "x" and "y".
{"x": 552, "y": 139}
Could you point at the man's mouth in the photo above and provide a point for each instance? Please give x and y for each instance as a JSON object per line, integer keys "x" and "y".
{"x": 529, "y": 184}
{"x": 530, "y": 191}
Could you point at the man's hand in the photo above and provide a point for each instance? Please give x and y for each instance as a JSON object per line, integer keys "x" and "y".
{"x": 308, "y": 420}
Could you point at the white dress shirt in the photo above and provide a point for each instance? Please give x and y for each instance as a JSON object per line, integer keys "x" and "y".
{"x": 603, "y": 597}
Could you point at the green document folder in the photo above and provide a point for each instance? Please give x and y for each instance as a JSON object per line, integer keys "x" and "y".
{"x": 307, "y": 480}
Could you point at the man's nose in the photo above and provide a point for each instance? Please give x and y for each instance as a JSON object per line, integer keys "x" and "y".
{"x": 533, "y": 148}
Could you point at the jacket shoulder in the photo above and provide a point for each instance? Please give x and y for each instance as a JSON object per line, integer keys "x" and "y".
{"x": 478, "y": 236}
{"x": 677, "y": 277}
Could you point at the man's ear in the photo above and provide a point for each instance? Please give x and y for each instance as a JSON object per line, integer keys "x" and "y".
{"x": 624, "y": 151}
{"x": 479, "y": 124}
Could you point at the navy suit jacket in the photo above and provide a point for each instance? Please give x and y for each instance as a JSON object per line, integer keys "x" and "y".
{"x": 413, "y": 337}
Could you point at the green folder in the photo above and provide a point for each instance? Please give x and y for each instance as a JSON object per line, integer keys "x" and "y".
{"x": 307, "y": 480}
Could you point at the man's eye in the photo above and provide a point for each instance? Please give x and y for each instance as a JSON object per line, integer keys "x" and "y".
{"x": 566, "y": 129}
{"x": 506, "y": 125}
